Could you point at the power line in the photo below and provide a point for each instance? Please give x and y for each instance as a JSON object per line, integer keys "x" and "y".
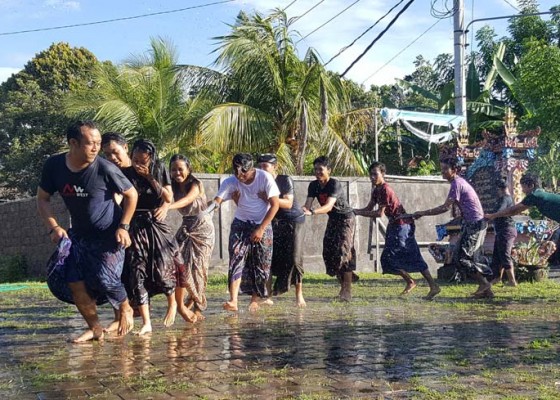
{"x": 307, "y": 12}
{"x": 289, "y": 5}
{"x": 52, "y": 28}
{"x": 363, "y": 33}
{"x": 402, "y": 51}
{"x": 320, "y": 26}
{"x": 511, "y": 5}
{"x": 378, "y": 37}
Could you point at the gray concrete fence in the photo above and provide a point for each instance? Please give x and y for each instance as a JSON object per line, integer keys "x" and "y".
{"x": 24, "y": 233}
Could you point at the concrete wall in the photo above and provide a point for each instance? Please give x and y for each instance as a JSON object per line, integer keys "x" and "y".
{"x": 25, "y": 234}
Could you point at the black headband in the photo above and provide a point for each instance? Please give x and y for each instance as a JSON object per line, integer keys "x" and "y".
{"x": 268, "y": 158}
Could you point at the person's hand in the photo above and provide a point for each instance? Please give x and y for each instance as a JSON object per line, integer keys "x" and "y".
{"x": 263, "y": 196}
{"x": 160, "y": 213}
{"x": 306, "y": 211}
{"x": 142, "y": 170}
{"x": 123, "y": 238}
{"x": 257, "y": 235}
{"x": 235, "y": 196}
{"x": 417, "y": 215}
{"x": 57, "y": 234}
{"x": 489, "y": 217}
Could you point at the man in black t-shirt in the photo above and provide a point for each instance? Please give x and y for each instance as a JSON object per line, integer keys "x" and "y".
{"x": 287, "y": 228}
{"x": 99, "y": 233}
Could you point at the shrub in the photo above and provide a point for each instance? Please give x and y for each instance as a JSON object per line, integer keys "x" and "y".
{"x": 13, "y": 269}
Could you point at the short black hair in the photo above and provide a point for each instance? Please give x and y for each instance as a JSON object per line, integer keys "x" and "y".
{"x": 322, "y": 161}
{"x": 452, "y": 163}
{"x": 145, "y": 146}
{"x": 268, "y": 158}
{"x": 379, "y": 165}
{"x": 531, "y": 180}
{"x": 243, "y": 161}
{"x": 116, "y": 137}
{"x": 501, "y": 183}
{"x": 74, "y": 131}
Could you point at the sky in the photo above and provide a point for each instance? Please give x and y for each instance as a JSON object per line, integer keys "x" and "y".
{"x": 192, "y": 31}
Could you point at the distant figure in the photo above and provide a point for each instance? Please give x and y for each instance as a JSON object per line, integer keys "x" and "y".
{"x": 401, "y": 254}
{"x": 505, "y": 234}
{"x": 99, "y": 234}
{"x": 473, "y": 229}
{"x": 288, "y": 229}
{"x": 250, "y": 238}
{"x": 195, "y": 237}
{"x": 339, "y": 254}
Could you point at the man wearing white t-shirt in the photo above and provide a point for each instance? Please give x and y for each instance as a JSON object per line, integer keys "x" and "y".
{"x": 250, "y": 239}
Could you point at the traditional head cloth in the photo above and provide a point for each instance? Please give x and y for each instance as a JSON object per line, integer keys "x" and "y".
{"x": 268, "y": 158}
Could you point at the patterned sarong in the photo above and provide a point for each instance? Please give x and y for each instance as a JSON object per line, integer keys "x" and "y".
{"x": 196, "y": 241}
{"x": 339, "y": 254}
{"x": 98, "y": 262}
{"x": 153, "y": 259}
{"x": 287, "y": 254}
{"x": 249, "y": 261}
{"x": 469, "y": 250}
{"x": 401, "y": 250}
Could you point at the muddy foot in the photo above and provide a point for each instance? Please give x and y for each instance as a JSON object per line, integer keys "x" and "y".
{"x": 126, "y": 322}
{"x": 187, "y": 315}
{"x": 89, "y": 335}
{"x": 169, "y": 319}
{"x": 432, "y": 293}
{"x": 408, "y": 288}
{"x": 146, "y": 328}
{"x": 229, "y": 306}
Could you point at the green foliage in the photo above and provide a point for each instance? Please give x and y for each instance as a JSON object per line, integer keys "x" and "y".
{"x": 424, "y": 168}
{"x": 13, "y": 269}
{"x": 32, "y": 125}
{"x": 548, "y": 165}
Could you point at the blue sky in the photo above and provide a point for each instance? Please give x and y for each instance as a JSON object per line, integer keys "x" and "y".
{"x": 192, "y": 31}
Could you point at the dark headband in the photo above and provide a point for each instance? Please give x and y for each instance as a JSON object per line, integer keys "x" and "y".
{"x": 268, "y": 158}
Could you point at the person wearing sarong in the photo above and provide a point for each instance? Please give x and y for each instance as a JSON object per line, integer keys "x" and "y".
{"x": 288, "y": 229}
{"x": 504, "y": 238}
{"x": 250, "y": 238}
{"x": 468, "y": 251}
{"x": 86, "y": 268}
{"x": 195, "y": 237}
{"x": 401, "y": 255}
{"x": 153, "y": 258}
{"x": 339, "y": 254}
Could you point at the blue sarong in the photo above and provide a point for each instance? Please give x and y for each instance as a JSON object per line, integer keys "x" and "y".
{"x": 401, "y": 250}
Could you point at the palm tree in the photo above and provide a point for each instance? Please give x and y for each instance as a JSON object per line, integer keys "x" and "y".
{"x": 146, "y": 97}
{"x": 273, "y": 101}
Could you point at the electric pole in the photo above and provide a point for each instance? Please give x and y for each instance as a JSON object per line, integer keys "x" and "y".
{"x": 459, "y": 57}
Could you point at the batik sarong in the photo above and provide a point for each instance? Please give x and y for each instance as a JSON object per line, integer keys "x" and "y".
{"x": 247, "y": 260}
{"x": 153, "y": 259}
{"x": 287, "y": 254}
{"x": 96, "y": 261}
{"x": 401, "y": 250}
{"x": 503, "y": 245}
{"x": 339, "y": 254}
{"x": 468, "y": 254}
{"x": 196, "y": 241}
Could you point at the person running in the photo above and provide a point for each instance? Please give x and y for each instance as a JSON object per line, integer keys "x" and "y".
{"x": 288, "y": 229}
{"x": 153, "y": 259}
{"x": 251, "y": 237}
{"x": 401, "y": 255}
{"x": 90, "y": 273}
{"x": 195, "y": 237}
{"x": 473, "y": 229}
{"x": 339, "y": 254}
{"x": 504, "y": 237}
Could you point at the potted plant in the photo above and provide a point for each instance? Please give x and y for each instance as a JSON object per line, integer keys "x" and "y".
{"x": 532, "y": 259}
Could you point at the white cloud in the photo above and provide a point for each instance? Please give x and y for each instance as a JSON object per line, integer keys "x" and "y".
{"x": 6, "y": 72}
{"x": 63, "y": 4}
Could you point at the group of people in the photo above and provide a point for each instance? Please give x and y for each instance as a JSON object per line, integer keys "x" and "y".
{"x": 121, "y": 250}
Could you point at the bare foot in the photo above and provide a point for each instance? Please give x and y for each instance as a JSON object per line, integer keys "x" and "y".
{"x": 432, "y": 293}
{"x": 345, "y": 296}
{"x": 91, "y": 334}
{"x": 146, "y": 328}
{"x": 495, "y": 281}
{"x": 512, "y": 284}
{"x": 187, "y": 314}
{"x": 409, "y": 286}
{"x": 126, "y": 321}
{"x": 229, "y": 306}
{"x": 170, "y": 316}
{"x": 199, "y": 315}
{"x": 253, "y": 306}
{"x": 487, "y": 294}
{"x": 300, "y": 302}
{"x": 483, "y": 287}
{"x": 113, "y": 326}
{"x": 266, "y": 302}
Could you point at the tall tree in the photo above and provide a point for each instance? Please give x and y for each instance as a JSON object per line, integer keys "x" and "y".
{"x": 32, "y": 124}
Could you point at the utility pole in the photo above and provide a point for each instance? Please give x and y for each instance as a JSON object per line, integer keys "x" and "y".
{"x": 459, "y": 57}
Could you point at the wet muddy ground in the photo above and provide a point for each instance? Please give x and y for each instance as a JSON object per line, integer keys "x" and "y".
{"x": 380, "y": 346}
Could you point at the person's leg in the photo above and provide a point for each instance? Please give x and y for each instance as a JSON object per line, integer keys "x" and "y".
{"x": 346, "y": 287}
{"x": 146, "y": 321}
{"x": 498, "y": 275}
{"x": 434, "y": 287}
{"x": 410, "y": 284}
{"x": 87, "y": 307}
{"x": 231, "y": 305}
{"x": 297, "y": 271}
{"x": 169, "y": 319}
{"x": 183, "y": 310}
{"x": 300, "y": 301}
{"x": 510, "y": 273}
